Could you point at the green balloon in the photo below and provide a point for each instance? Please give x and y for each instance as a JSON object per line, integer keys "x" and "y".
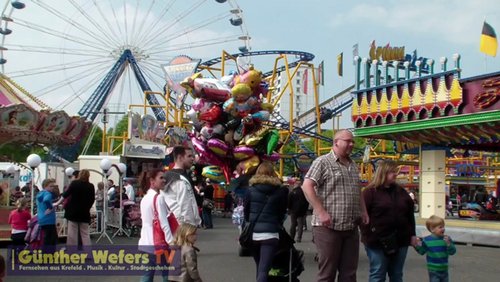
{"x": 273, "y": 137}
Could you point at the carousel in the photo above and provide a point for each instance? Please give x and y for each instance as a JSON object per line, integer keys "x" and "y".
{"x": 26, "y": 119}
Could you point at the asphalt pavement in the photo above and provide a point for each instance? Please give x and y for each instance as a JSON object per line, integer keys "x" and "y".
{"x": 219, "y": 261}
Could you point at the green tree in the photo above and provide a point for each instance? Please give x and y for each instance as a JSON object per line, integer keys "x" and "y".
{"x": 121, "y": 127}
{"x": 17, "y": 152}
{"x": 95, "y": 144}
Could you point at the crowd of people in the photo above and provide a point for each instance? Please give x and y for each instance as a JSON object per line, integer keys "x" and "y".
{"x": 380, "y": 215}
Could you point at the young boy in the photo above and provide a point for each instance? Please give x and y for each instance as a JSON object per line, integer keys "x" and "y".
{"x": 438, "y": 247}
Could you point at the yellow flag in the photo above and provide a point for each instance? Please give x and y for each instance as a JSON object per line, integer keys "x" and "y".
{"x": 489, "y": 43}
{"x": 340, "y": 64}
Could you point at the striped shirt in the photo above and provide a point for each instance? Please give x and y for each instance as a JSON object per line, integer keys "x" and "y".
{"x": 338, "y": 188}
{"x": 437, "y": 252}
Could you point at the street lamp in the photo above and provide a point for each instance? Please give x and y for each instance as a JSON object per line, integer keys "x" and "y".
{"x": 69, "y": 171}
{"x": 33, "y": 161}
{"x": 10, "y": 170}
{"x": 106, "y": 166}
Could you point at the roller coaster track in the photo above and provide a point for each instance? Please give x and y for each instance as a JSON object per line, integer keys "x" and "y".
{"x": 303, "y": 57}
{"x": 328, "y": 109}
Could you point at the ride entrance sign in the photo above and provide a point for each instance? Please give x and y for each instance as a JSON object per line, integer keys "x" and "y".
{"x": 175, "y": 72}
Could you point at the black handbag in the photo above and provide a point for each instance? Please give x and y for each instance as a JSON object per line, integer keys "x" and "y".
{"x": 389, "y": 244}
{"x": 246, "y": 235}
{"x": 208, "y": 204}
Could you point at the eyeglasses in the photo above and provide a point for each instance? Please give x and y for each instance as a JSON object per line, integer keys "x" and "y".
{"x": 346, "y": 140}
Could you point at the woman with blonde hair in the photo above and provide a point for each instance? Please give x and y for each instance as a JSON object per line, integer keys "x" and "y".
{"x": 391, "y": 227}
{"x": 185, "y": 237}
{"x": 265, "y": 205}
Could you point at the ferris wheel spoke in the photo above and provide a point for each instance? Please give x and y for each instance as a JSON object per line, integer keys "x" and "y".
{"x": 115, "y": 18}
{"x": 151, "y": 27}
{"x": 177, "y": 19}
{"x": 125, "y": 26}
{"x": 150, "y": 73}
{"x": 55, "y": 50}
{"x": 194, "y": 28}
{"x": 59, "y": 67}
{"x": 132, "y": 32}
{"x": 194, "y": 45}
{"x": 84, "y": 89}
{"x": 138, "y": 33}
{"x": 74, "y": 78}
{"x": 112, "y": 35}
{"x": 55, "y": 33}
{"x": 105, "y": 40}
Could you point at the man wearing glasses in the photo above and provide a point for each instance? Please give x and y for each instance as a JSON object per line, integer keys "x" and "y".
{"x": 332, "y": 187}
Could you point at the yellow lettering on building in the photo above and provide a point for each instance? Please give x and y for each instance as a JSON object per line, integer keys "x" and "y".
{"x": 387, "y": 53}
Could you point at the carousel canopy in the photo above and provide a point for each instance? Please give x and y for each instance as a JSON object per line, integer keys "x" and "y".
{"x": 26, "y": 119}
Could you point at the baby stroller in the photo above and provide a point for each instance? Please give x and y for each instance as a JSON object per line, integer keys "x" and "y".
{"x": 132, "y": 217}
{"x": 238, "y": 219}
{"x": 288, "y": 263}
{"x": 34, "y": 234}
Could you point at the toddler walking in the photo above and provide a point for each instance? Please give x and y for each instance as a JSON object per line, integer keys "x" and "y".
{"x": 438, "y": 247}
{"x": 185, "y": 237}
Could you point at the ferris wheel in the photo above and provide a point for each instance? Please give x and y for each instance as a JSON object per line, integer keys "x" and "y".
{"x": 63, "y": 51}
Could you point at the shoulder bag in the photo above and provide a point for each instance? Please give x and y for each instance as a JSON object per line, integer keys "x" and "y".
{"x": 158, "y": 235}
{"x": 247, "y": 231}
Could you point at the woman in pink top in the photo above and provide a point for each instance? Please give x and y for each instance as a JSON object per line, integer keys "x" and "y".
{"x": 18, "y": 220}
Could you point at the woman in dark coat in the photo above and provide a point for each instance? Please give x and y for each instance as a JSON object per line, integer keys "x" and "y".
{"x": 265, "y": 204}
{"x": 392, "y": 222}
{"x": 81, "y": 195}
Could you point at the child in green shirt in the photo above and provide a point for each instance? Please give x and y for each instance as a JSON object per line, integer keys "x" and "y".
{"x": 438, "y": 247}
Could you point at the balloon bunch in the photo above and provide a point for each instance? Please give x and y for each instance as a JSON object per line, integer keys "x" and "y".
{"x": 227, "y": 115}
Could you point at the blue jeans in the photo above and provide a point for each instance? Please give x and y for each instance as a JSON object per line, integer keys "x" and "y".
{"x": 382, "y": 265}
{"x": 438, "y": 276}
{"x": 150, "y": 274}
{"x": 263, "y": 254}
{"x": 207, "y": 217}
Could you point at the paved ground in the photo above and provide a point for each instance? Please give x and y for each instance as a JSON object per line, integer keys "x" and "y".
{"x": 218, "y": 261}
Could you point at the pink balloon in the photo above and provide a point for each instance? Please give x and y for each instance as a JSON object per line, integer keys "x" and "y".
{"x": 272, "y": 158}
{"x": 218, "y": 147}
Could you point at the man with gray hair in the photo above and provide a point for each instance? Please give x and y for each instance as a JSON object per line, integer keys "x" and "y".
{"x": 332, "y": 187}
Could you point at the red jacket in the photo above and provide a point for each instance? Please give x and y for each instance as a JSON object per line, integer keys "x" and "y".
{"x": 19, "y": 220}
{"x": 390, "y": 209}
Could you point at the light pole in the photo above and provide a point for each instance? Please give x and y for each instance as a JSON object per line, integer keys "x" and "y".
{"x": 106, "y": 165}
{"x": 33, "y": 161}
{"x": 9, "y": 172}
{"x": 122, "y": 169}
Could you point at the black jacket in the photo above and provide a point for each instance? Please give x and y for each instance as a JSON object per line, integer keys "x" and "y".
{"x": 268, "y": 195}
{"x": 82, "y": 198}
{"x": 297, "y": 202}
{"x": 390, "y": 209}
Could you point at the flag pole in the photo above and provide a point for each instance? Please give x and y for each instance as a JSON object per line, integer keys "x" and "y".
{"x": 485, "y": 63}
